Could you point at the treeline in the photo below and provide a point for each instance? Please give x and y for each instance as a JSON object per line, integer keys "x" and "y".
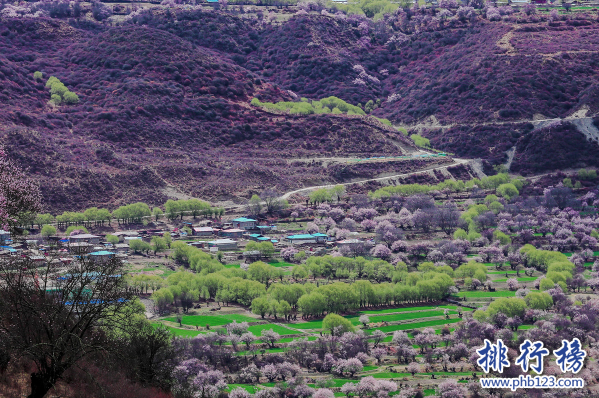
{"x": 492, "y": 182}
{"x": 332, "y": 105}
{"x": 557, "y": 266}
{"x": 133, "y": 213}
{"x": 261, "y": 286}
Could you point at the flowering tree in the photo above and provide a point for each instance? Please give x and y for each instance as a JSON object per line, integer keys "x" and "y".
{"x": 323, "y": 393}
{"x": 512, "y": 284}
{"x": 368, "y": 225}
{"x": 451, "y": 389}
{"x": 348, "y": 366}
{"x": 414, "y": 368}
{"x": 250, "y": 373}
{"x": 20, "y": 198}
{"x": 237, "y": 328}
{"x": 247, "y": 338}
{"x": 270, "y": 371}
{"x": 378, "y": 354}
{"x": 209, "y": 384}
{"x": 348, "y": 389}
{"x": 364, "y": 320}
{"x": 381, "y": 251}
{"x": 312, "y": 228}
{"x": 288, "y": 253}
{"x": 239, "y": 392}
{"x": 270, "y": 337}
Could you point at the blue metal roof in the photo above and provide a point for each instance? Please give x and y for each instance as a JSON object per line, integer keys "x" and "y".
{"x": 301, "y": 236}
{"x": 263, "y": 238}
{"x": 255, "y": 236}
{"x": 321, "y": 235}
{"x": 101, "y": 253}
{"x": 242, "y": 219}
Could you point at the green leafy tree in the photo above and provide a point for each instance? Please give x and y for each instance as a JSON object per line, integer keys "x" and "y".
{"x": 158, "y": 244}
{"x": 112, "y": 239}
{"x": 507, "y": 191}
{"x": 168, "y": 239}
{"x": 70, "y": 97}
{"x": 260, "y": 306}
{"x": 420, "y": 141}
{"x": 139, "y": 246}
{"x": 43, "y": 219}
{"x": 336, "y": 324}
{"x": 157, "y": 213}
{"x": 48, "y": 230}
{"x": 74, "y": 228}
{"x": 37, "y": 75}
{"x": 539, "y": 300}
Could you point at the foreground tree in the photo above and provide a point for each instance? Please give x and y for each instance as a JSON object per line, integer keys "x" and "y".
{"x": 20, "y": 198}
{"x": 54, "y": 320}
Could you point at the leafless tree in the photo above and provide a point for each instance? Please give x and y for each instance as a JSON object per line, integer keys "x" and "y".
{"x": 56, "y": 315}
{"x": 448, "y": 218}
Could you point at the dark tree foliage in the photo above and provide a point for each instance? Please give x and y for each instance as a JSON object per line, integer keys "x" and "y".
{"x": 54, "y": 320}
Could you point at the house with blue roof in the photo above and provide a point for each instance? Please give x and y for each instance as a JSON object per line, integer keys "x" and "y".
{"x": 244, "y": 223}
{"x": 4, "y": 236}
{"x": 307, "y": 238}
{"x": 102, "y": 255}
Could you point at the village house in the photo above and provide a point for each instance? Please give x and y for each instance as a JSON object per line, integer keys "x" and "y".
{"x": 126, "y": 234}
{"x": 223, "y": 244}
{"x": 244, "y": 223}
{"x": 80, "y": 247}
{"x": 84, "y": 238}
{"x": 203, "y": 231}
{"x": 307, "y": 238}
{"x": 122, "y": 248}
{"x": 102, "y": 255}
{"x": 352, "y": 243}
{"x": 4, "y": 236}
{"x": 232, "y": 233}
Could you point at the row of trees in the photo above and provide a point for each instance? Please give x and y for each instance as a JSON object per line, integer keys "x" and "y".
{"x": 132, "y": 213}
{"x": 491, "y": 182}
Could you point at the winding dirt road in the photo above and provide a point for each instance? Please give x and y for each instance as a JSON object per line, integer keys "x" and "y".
{"x": 456, "y": 162}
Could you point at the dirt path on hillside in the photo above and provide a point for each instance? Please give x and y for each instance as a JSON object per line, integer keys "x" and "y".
{"x": 456, "y": 162}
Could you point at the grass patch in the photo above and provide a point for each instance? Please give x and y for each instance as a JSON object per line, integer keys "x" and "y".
{"x": 522, "y": 279}
{"x": 417, "y": 325}
{"x": 502, "y": 293}
{"x": 212, "y": 320}
{"x": 184, "y": 332}
{"x": 257, "y": 329}
{"x": 266, "y": 351}
{"x": 501, "y": 272}
{"x": 354, "y": 319}
{"x": 248, "y": 387}
{"x": 407, "y": 309}
{"x": 281, "y": 264}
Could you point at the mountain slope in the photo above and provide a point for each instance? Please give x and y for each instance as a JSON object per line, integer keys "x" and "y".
{"x": 159, "y": 114}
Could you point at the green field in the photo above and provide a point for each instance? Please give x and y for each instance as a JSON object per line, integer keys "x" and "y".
{"x": 417, "y": 325}
{"x": 281, "y": 264}
{"x": 502, "y": 293}
{"x": 266, "y": 351}
{"x": 248, "y": 387}
{"x": 257, "y": 329}
{"x": 509, "y": 272}
{"x": 354, "y": 319}
{"x": 522, "y": 279}
{"x": 408, "y": 309}
{"x": 393, "y": 375}
{"x": 212, "y": 320}
{"x": 184, "y": 332}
